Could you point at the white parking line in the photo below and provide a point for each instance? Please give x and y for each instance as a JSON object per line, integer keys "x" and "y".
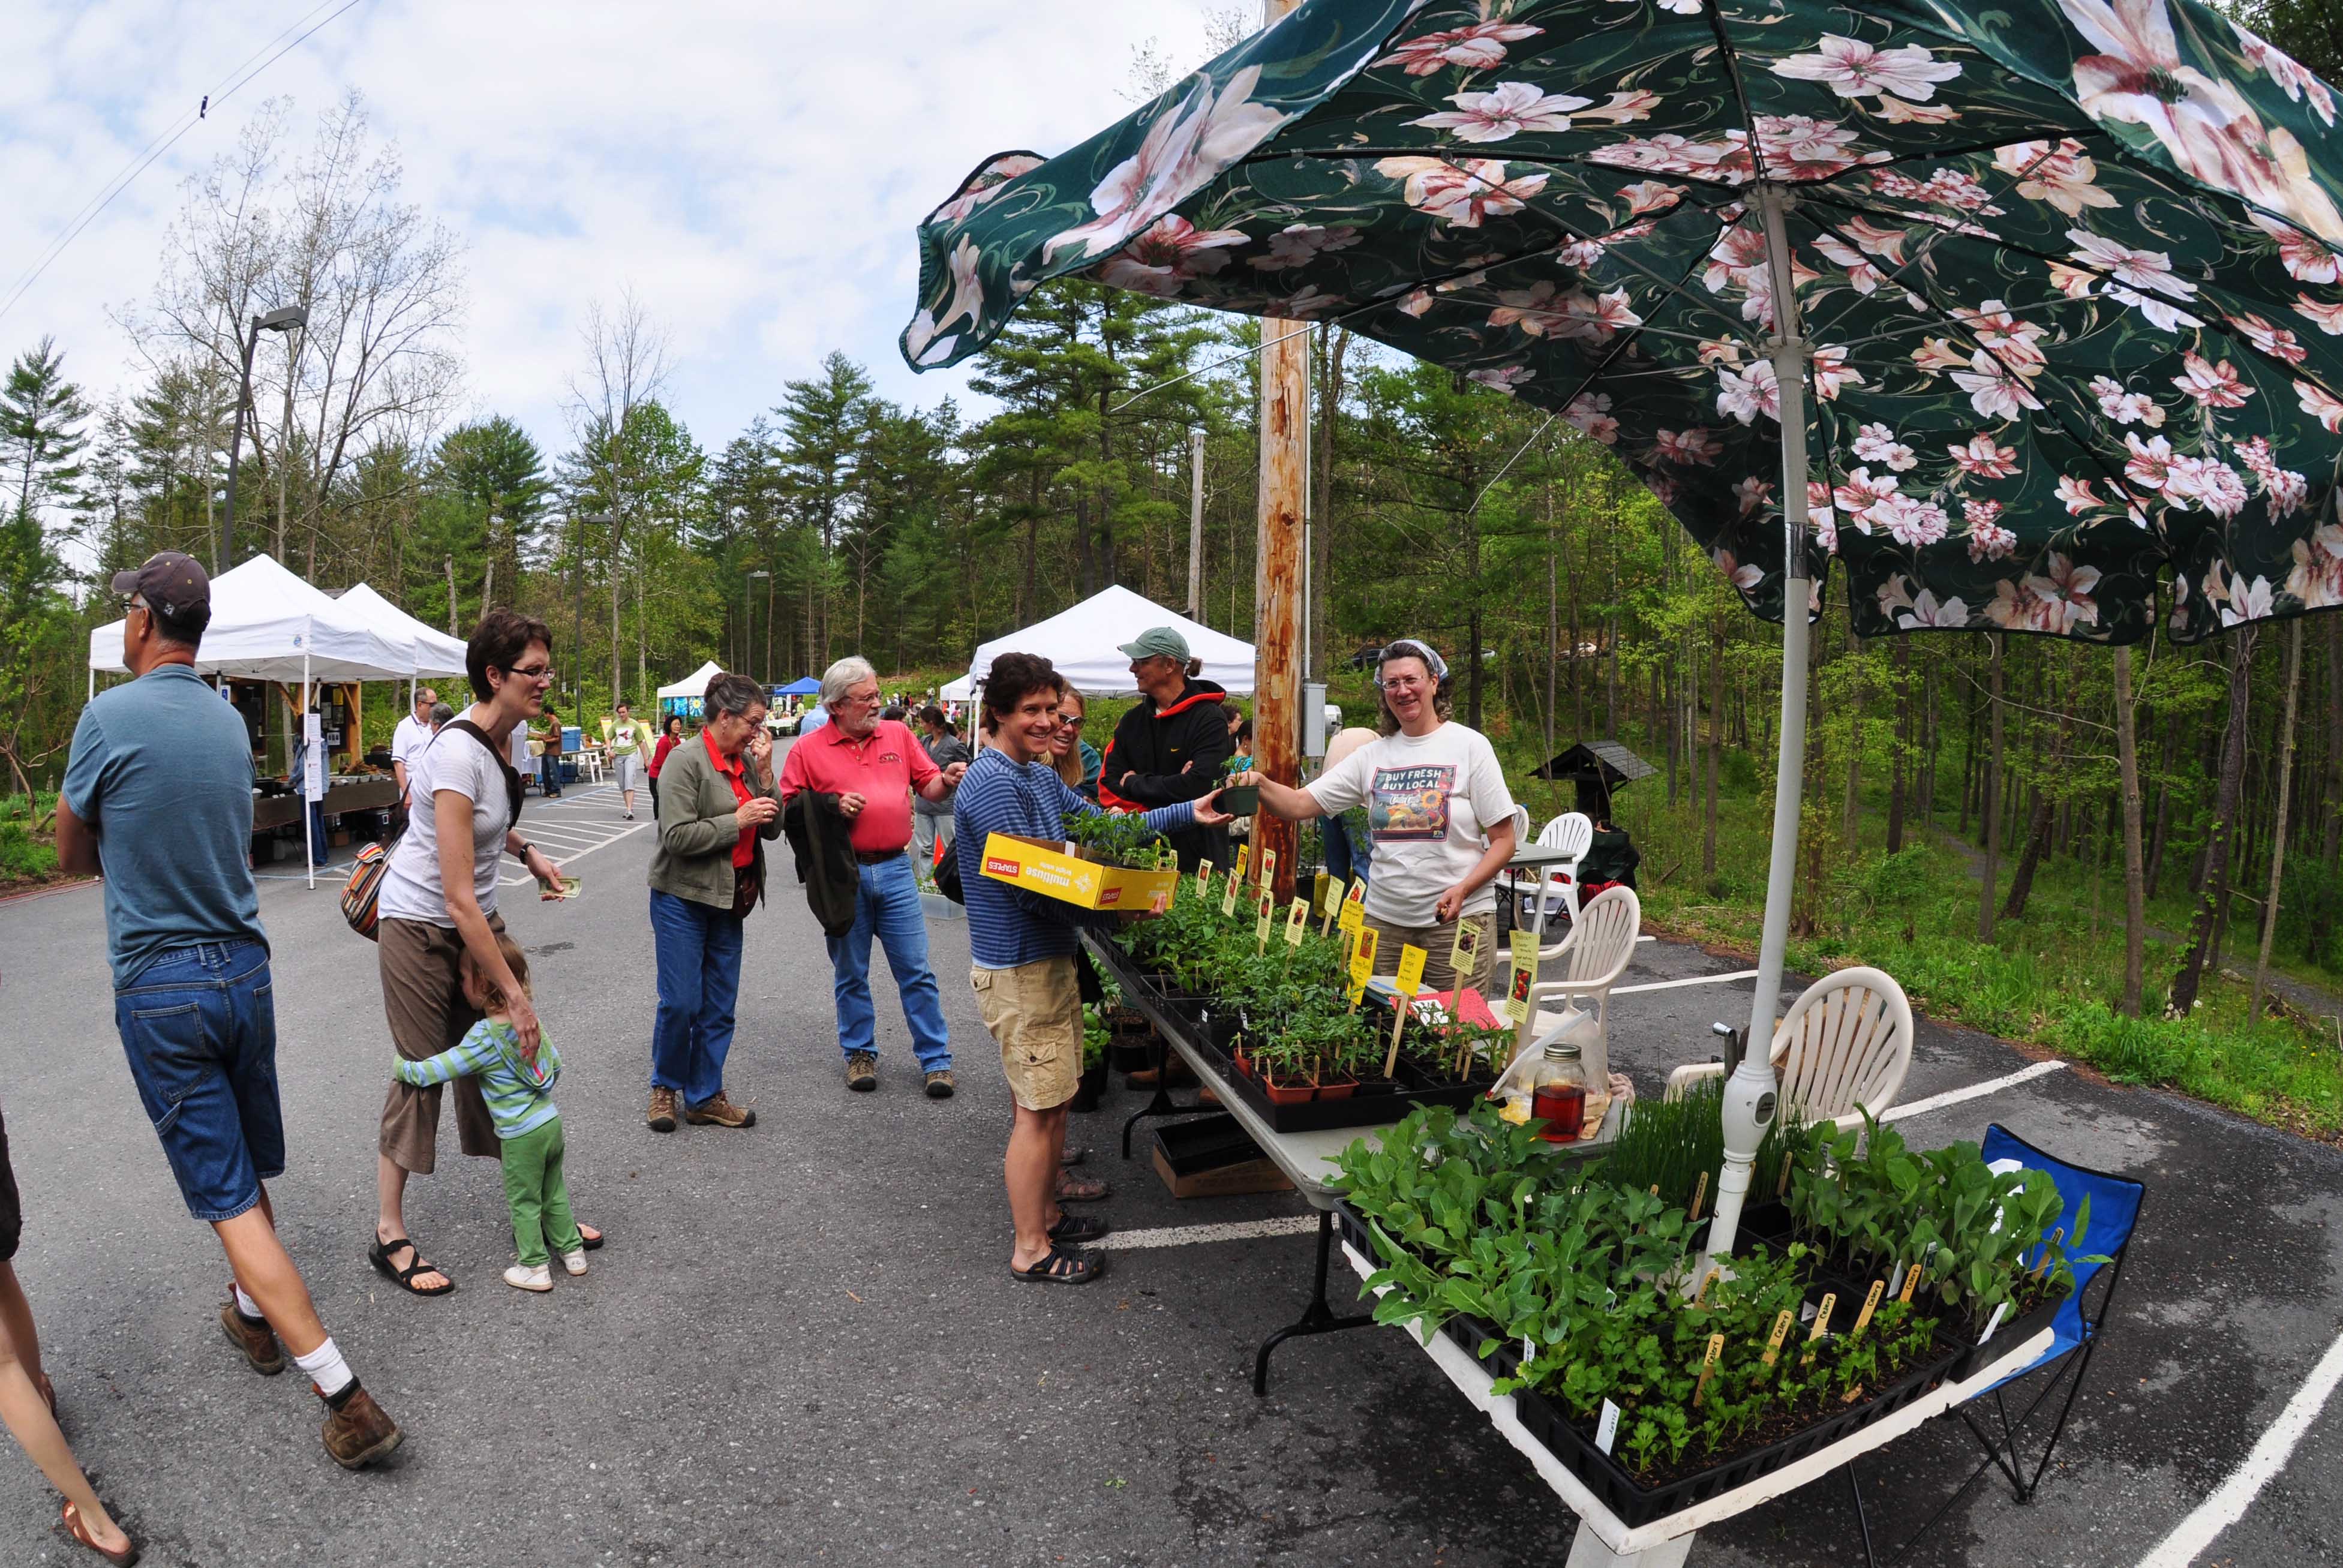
{"x": 2233, "y": 1496}
{"x": 1974, "y": 1091}
{"x": 572, "y": 835}
{"x": 1189, "y": 1235}
{"x": 1695, "y": 979}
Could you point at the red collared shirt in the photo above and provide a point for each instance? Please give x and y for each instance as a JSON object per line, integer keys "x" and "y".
{"x": 731, "y": 770}
{"x": 883, "y": 767}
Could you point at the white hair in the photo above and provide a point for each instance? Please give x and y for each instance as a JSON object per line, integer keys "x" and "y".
{"x": 847, "y": 673}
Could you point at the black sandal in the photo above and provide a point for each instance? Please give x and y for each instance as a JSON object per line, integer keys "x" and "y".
{"x": 379, "y": 1256}
{"x": 592, "y": 1238}
{"x": 1075, "y": 1229}
{"x": 1059, "y": 1267}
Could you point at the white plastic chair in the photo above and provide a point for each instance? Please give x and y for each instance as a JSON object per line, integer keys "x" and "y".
{"x": 1552, "y": 890}
{"x": 1845, "y": 1048}
{"x": 1597, "y": 949}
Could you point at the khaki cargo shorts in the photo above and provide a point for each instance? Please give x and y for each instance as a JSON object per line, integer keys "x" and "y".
{"x": 1035, "y": 1011}
{"x": 423, "y": 995}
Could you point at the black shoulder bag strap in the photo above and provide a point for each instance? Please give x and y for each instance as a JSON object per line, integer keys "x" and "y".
{"x": 504, "y": 766}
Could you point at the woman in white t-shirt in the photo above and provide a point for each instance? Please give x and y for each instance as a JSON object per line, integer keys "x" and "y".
{"x": 1438, "y": 811}
{"x": 438, "y": 901}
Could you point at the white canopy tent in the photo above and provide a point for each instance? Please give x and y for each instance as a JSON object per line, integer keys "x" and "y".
{"x": 960, "y": 690}
{"x": 435, "y": 653}
{"x": 270, "y": 625}
{"x": 695, "y": 684}
{"x": 1084, "y": 644}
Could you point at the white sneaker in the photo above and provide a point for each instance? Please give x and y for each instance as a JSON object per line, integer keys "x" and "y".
{"x": 521, "y": 1277}
{"x": 575, "y": 1262}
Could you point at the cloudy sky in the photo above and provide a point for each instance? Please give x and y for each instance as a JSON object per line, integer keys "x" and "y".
{"x": 751, "y": 168}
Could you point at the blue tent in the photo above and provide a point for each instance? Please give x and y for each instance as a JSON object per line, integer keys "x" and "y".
{"x": 809, "y": 686}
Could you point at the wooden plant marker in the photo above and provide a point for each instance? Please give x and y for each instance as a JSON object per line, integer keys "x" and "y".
{"x": 1297, "y": 922}
{"x": 2057, "y": 1237}
{"x": 1774, "y": 1341}
{"x": 1700, "y": 1297}
{"x": 1362, "y": 964}
{"x": 1411, "y": 976}
{"x": 1203, "y": 879}
{"x": 1708, "y": 1365}
{"x": 1699, "y": 1196}
{"x": 1870, "y": 1305}
{"x": 1260, "y": 926}
{"x": 1851, "y": 1396}
{"x": 1782, "y": 1187}
{"x": 1910, "y": 1281}
{"x": 1822, "y": 1326}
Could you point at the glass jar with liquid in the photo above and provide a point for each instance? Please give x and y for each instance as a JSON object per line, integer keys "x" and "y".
{"x": 1548, "y": 1085}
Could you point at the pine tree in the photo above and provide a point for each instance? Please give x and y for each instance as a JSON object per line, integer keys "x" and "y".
{"x": 41, "y": 415}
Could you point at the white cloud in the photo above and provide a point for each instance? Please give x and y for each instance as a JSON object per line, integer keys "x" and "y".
{"x": 753, "y": 171}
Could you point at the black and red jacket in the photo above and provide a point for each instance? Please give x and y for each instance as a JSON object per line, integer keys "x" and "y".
{"x": 1160, "y": 756}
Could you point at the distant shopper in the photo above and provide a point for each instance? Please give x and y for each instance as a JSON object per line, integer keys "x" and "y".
{"x": 1433, "y": 793}
{"x": 1022, "y": 949}
{"x": 706, "y": 874}
{"x": 548, "y": 755}
{"x": 158, "y": 796}
{"x": 628, "y": 742}
{"x": 442, "y": 716}
{"x": 1170, "y": 746}
{"x": 873, "y": 767}
{"x": 519, "y": 1093}
{"x": 667, "y": 741}
{"x": 439, "y": 904}
{"x": 28, "y": 1402}
{"x": 931, "y": 819}
{"x": 413, "y": 732}
{"x": 1074, "y": 760}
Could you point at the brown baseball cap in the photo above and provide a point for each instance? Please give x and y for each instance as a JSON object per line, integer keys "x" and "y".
{"x": 175, "y": 585}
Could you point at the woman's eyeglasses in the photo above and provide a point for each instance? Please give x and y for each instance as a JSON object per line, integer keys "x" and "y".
{"x": 1404, "y": 683}
{"x": 1071, "y": 721}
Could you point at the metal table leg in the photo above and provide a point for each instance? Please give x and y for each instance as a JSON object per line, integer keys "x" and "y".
{"x": 1162, "y": 1104}
{"x": 1317, "y": 1318}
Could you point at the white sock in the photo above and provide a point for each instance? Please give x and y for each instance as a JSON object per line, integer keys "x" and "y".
{"x": 248, "y": 1307}
{"x": 327, "y": 1369}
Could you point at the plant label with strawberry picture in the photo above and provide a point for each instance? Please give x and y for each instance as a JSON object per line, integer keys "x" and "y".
{"x": 1203, "y": 879}
{"x": 1268, "y": 918}
{"x": 1363, "y": 962}
{"x": 1517, "y": 1000}
{"x": 1464, "y": 959}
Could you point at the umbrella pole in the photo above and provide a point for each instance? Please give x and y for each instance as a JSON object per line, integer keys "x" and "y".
{"x": 1750, "y": 1099}
{"x": 308, "y": 814}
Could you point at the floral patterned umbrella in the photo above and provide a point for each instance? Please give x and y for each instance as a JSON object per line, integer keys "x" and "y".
{"x": 2067, "y": 287}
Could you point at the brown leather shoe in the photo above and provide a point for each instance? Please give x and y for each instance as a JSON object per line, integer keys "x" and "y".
{"x": 941, "y": 1084}
{"x": 256, "y": 1341}
{"x": 662, "y": 1112}
{"x": 861, "y": 1071}
{"x": 360, "y": 1432}
{"x": 720, "y": 1112}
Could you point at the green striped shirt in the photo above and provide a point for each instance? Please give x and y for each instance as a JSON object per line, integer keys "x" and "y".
{"x": 519, "y": 1096}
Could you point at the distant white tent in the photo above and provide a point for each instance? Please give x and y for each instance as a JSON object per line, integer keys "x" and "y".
{"x": 267, "y": 624}
{"x": 435, "y": 653}
{"x": 960, "y": 690}
{"x": 695, "y": 684}
{"x": 1084, "y": 644}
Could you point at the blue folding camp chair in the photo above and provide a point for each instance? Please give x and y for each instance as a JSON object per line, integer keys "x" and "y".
{"x": 2076, "y": 1329}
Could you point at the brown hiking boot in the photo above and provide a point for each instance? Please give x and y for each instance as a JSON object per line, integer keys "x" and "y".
{"x": 941, "y": 1084}
{"x": 720, "y": 1112}
{"x": 360, "y": 1431}
{"x": 862, "y": 1071}
{"x": 256, "y": 1341}
{"x": 662, "y": 1112}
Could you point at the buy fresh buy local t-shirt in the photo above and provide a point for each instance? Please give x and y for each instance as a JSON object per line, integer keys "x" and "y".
{"x": 1429, "y": 800}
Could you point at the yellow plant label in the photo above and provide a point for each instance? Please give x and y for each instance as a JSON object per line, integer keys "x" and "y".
{"x": 1910, "y": 1281}
{"x": 1297, "y": 922}
{"x": 1464, "y": 957}
{"x": 1354, "y": 906}
{"x": 1700, "y": 1297}
{"x": 1518, "y": 1000}
{"x": 1362, "y": 963}
{"x": 1411, "y": 970}
{"x": 1323, "y": 896}
{"x": 1870, "y": 1305}
{"x": 1244, "y": 859}
{"x": 1203, "y": 879}
{"x": 1774, "y": 1341}
{"x": 1525, "y": 950}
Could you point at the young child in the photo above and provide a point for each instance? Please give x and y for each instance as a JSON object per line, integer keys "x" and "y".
{"x": 519, "y": 1096}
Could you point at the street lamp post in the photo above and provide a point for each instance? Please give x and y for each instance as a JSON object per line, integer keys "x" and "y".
{"x": 280, "y": 320}
{"x": 749, "y": 619}
{"x": 577, "y": 622}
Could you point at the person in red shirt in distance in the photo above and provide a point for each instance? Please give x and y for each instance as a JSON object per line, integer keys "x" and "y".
{"x": 872, "y": 765}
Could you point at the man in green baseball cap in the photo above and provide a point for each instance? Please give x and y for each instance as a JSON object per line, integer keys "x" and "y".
{"x": 1157, "y": 642}
{"x": 1169, "y": 747}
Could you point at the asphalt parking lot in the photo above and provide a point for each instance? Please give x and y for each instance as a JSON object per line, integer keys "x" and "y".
{"x": 802, "y": 1344}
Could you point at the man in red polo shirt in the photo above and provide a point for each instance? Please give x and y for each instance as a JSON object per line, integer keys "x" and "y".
{"x": 872, "y": 765}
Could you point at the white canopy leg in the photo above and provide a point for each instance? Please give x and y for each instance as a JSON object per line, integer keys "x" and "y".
{"x": 1750, "y": 1100}
{"x": 301, "y": 784}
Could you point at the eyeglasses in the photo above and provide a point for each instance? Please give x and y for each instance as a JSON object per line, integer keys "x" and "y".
{"x": 543, "y": 672}
{"x": 1404, "y": 683}
{"x": 130, "y": 601}
{"x": 866, "y": 699}
{"x": 1072, "y": 721}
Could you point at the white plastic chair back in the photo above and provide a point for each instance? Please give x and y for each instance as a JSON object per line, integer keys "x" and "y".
{"x": 1573, "y": 833}
{"x": 1846, "y": 1042}
{"x": 1596, "y": 952}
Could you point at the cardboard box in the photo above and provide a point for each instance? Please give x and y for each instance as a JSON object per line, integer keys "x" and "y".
{"x": 1055, "y": 872}
{"x": 1211, "y": 1157}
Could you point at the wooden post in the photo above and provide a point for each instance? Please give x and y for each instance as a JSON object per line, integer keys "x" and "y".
{"x": 1196, "y": 524}
{"x": 1277, "y": 574}
{"x": 2277, "y": 835}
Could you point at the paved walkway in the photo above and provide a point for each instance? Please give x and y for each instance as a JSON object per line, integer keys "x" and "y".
{"x": 802, "y": 1345}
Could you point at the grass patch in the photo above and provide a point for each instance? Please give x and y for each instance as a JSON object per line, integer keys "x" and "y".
{"x": 29, "y": 852}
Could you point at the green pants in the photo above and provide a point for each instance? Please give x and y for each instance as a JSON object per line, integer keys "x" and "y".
{"x": 538, "y": 1196}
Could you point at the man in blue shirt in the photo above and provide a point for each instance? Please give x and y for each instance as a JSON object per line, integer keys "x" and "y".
{"x": 158, "y": 799}
{"x": 1022, "y": 949}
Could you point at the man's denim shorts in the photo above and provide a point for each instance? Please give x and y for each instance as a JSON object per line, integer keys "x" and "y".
{"x": 199, "y": 1027}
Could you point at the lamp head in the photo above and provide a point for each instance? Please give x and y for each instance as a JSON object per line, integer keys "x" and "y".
{"x": 284, "y": 319}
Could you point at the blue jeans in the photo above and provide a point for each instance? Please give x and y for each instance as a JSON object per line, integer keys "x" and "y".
{"x": 1344, "y": 861}
{"x": 698, "y": 949}
{"x": 888, "y": 905}
{"x": 199, "y": 1029}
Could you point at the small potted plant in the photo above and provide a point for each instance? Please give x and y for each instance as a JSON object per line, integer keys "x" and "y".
{"x": 1283, "y": 1067}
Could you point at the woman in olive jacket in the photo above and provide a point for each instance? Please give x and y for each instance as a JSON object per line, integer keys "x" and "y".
{"x": 708, "y": 872}
{"x": 1169, "y": 747}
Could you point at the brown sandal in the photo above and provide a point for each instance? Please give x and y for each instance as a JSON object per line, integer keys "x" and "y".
{"x": 1073, "y": 1188}
{"x": 123, "y": 1558}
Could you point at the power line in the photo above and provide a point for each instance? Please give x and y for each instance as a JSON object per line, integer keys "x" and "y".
{"x": 167, "y": 138}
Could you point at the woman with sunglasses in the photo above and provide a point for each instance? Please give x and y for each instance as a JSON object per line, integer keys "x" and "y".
{"x": 1074, "y": 760}
{"x": 438, "y": 903}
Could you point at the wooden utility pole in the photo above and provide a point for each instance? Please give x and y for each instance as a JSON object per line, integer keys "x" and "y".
{"x": 1196, "y": 524}
{"x": 2135, "y": 879}
{"x": 1277, "y": 573}
{"x": 2277, "y": 835}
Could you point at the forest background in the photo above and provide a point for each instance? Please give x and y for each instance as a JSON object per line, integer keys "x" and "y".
{"x": 1964, "y": 827}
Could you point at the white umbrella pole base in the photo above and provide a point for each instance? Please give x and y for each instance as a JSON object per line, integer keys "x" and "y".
{"x": 1587, "y": 1550}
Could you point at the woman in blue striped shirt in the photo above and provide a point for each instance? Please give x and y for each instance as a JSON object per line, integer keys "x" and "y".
{"x": 1022, "y": 946}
